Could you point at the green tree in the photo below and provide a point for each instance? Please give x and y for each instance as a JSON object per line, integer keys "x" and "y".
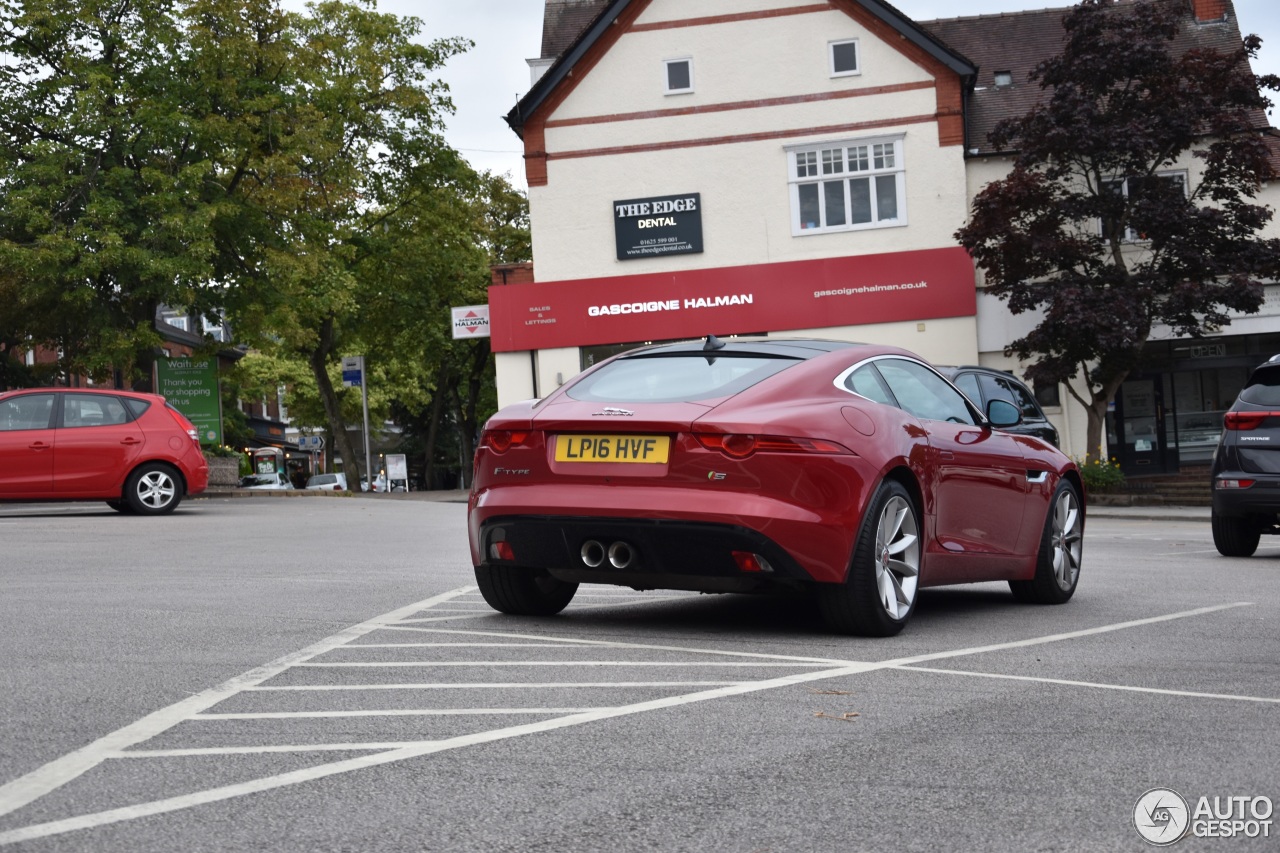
{"x": 1092, "y": 229}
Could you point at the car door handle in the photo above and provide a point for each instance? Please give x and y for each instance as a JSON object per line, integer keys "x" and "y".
{"x": 131, "y": 440}
{"x": 39, "y": 445}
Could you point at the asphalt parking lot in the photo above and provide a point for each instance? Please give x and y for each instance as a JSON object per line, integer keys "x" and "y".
{"x": 171, "y": 687}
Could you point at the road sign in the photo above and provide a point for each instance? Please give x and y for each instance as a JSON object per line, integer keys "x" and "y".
{"x": 310, "y": 442}
{"x": 353, "y": 371}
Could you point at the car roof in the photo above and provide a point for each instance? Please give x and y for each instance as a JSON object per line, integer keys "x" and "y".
{"x": 784, "y": 347}
{"x": 116, "y": 392}
{"x": 952, "y": 369}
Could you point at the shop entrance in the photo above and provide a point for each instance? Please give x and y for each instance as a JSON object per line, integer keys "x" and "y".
{"x": 1141, "y": 427}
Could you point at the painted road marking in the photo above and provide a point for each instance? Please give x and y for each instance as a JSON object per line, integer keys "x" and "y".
{"x": 119, "y": 744}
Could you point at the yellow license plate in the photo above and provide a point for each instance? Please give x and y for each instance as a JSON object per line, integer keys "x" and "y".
{"x": 645, "y": 449}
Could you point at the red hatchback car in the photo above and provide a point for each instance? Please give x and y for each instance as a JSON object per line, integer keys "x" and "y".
{"x": 855, "y": 471}
{"x": 132, "y": 450}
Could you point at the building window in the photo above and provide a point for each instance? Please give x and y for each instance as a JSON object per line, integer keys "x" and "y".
{"x": 679, "y": 79}
{"x": 1003, "y": 79}
{"x": 1135, "y": 190}
{"x": 844, "y": 57}
{"x": 847, "y": 186}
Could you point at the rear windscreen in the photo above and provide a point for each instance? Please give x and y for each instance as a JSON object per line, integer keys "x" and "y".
{"x": 676, "y": 378}
{"x": 1264, "y": 389}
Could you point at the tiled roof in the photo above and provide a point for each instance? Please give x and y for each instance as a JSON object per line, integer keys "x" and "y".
{"x": 564, "y": 20}
{"x": 1018, "y": 41}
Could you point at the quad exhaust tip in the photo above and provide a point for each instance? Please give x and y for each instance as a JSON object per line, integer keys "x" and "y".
{"x": 593, "y": 554}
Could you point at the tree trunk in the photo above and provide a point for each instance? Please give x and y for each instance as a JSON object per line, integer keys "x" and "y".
{"x": 433, "y": 428}
{"x": 318, "y": 359}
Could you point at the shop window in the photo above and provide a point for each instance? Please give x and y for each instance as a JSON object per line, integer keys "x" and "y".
{"x": 847, "y": 186}
{"x": 1136, "y": 190}
{"x": 679, "y": 79}
{"x": 844, "y": 57}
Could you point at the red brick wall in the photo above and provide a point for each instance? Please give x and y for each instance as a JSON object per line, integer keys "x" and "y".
{"x": 1210, "y": 10}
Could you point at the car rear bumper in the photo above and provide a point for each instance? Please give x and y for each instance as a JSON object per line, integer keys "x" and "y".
{"x": 548, "y": 528}
{"x": 1262, "y": 498}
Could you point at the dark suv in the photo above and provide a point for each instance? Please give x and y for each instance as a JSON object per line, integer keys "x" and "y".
{"x": 984, "y": 384}
{"x": 1246, "y": 465}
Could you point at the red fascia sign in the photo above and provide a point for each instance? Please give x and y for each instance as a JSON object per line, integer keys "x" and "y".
{"x": 852, "y": 291}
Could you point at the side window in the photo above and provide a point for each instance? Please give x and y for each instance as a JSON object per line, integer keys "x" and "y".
{"x": 30, "y": 411}
{"x": 1023, "y": 401}
{"x": 924, "y": 393}
{"x": 866, "y": 382}
{"x": 968, "y": 383}
{"x": 994, "y": 389}
{"x": 85, "y": 410}
{"x": 136, "y": 407}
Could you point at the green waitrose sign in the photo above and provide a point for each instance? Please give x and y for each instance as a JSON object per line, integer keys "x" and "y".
{"x": 191, "y": 386}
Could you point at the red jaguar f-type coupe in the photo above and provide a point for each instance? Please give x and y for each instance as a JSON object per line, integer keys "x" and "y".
{"x": 853, "y": 470}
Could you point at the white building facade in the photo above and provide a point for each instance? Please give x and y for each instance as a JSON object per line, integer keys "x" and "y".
{"x": 781, "y": 167}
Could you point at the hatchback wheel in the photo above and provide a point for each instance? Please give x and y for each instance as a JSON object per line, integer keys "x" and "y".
{"x": 119, "y": 506}
{"x": 1235, "y": 535}
{"x": 523, "y": 591}
{"x": 153, "y": 489}
{"x": 1061, "y": 548}
{"x": 879, "y": 595}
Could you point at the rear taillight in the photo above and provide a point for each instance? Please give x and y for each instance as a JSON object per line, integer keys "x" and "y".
{"x": 184, "y": 424}
{"x": 1247, "y": 420}
{"x": 502, "y": 440}
{"x": 1230, "y": 483}
{"x": 742, "y": 445}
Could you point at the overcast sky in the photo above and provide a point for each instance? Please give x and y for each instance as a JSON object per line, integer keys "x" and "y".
{"x": 487, "y": 81}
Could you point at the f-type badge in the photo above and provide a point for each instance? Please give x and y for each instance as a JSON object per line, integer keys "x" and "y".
{"x": 609, "y": 410}
{"x": 716, "y": 475}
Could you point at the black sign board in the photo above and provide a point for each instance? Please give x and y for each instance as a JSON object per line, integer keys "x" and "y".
{"x": 665, "y": 225}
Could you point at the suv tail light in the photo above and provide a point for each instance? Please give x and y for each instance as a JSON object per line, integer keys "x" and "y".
{"x": 742, "y": 445}
{"x": 1247, "y": 420}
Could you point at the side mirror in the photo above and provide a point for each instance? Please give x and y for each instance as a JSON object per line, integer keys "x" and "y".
{"x": 1002, "y": 414}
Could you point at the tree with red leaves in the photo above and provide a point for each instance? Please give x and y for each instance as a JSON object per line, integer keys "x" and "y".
{"x": 1130, "y": 204}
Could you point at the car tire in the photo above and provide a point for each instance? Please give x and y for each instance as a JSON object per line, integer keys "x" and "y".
{"x": 523, "y": 591}
{"x": 1235, "y": 535}
{"x": 120, "y": 506}
{"x": 153, "y": 489}
{"x": 1061, "y": 547}
{"x": 879, "y": 593}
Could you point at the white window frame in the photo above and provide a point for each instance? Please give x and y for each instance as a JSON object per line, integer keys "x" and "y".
{"x": 1131, "y": 236}
{"x": 666, "y": 75}
{"x": 831, "y": 58}
{"x": 815, "y": 164}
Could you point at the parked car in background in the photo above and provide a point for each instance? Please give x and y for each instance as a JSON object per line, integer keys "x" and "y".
{"x": 132, "y": 450}
{"x": 266, "y": 481}
{"x": 854, "y": 472}
{"x": 984, "y": 384}
{"x": 1245, "y": 474}
{"x": 328, "y": 482}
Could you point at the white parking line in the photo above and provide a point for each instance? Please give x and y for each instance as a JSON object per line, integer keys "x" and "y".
{"x": 411, "y": 712}
{"x": 60, "y": 771}
{"x": 491, "y": 685}
{"x": 1068, "y": 683}
{"x": 56, "y": 773}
